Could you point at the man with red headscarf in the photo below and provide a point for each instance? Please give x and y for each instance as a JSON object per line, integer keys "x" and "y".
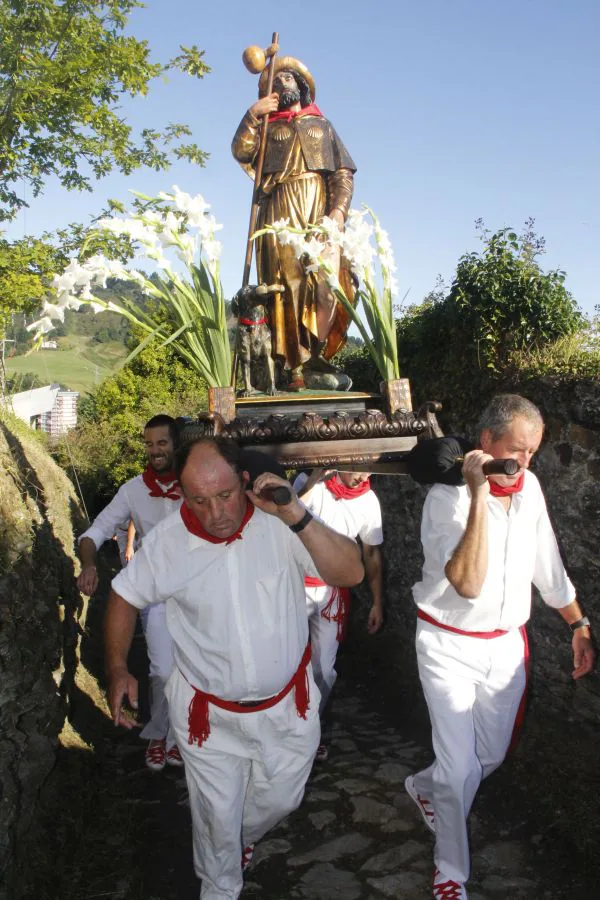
{"x": 346, "y": 503}
{"x": 144, "y": 500}
{"x": 484, "y": 543}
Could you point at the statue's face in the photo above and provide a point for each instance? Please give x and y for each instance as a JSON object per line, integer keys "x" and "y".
{"x": 286, "y": 86}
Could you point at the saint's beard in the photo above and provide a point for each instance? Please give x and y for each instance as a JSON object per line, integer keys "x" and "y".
{"x": 288, "y": 98}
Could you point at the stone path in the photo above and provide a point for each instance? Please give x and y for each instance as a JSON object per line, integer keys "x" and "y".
{"x": 358, "y": 835}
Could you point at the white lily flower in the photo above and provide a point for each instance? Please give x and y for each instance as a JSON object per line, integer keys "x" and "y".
{"x": 193, "y": 206}
{"x": 212, "y": 249}
{"x": 42, "y": 326}
{"x": 55, "y": 311}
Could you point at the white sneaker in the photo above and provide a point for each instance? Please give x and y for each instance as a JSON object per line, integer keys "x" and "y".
{"x": 443, "y": 889}
{"x": 247, "y": 854}
{"x": 424, "y": 805}
{"x": 156, "y": 755}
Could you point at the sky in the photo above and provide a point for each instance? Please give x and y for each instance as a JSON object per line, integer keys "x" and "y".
{"x": 452, "y": 110}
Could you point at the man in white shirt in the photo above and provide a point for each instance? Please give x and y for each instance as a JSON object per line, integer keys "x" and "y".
{"x": 345, "y": 502}
{"x": 484, "y": 543}
{"x": 144, "y": 501}
{"x": 242, "y": 698}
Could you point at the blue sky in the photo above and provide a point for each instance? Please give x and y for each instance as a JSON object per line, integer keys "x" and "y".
{"x": 452, "y": 109}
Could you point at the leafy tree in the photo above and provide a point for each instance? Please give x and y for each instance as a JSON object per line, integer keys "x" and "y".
{"x": 105, "y": 447}
{"x": 461, "y": 344}
{"x": 65, "y": 65}
{"x": 25, "y": 267}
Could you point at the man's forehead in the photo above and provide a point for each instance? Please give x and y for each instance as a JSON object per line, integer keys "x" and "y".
{"x": 206, "y": 472}
{"x": 157, "y": 433}
{"x": 283, "y": 72}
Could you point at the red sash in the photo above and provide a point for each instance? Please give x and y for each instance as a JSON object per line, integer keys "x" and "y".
{"x": 486, "y": 635}
{"x": 198, "y": 719}
{"x": 340, "y": 597}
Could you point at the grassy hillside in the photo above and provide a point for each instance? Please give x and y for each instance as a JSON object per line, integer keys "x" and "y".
{"x": 80, "y": 363}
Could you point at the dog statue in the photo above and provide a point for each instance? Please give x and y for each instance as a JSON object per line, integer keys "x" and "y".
{"x": 254, "y": 339}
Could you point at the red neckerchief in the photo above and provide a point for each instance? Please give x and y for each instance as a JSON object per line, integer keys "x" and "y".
{"x": 153, "y": 479}
{"x": 341, "y": 492}
{"x": 193, "y": 525}
{"x": 505, "y": 490}
{"x": 252, "y": 322}
{"x": 288, "y": 114}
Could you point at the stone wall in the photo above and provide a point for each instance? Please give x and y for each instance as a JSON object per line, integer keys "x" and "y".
{"x": 568, "y": 466}
{"x": 40, "y": 611}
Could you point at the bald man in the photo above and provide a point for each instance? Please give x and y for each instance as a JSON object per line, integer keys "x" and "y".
{"x": 243, "y": 702}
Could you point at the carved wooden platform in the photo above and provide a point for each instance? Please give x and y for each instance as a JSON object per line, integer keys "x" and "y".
{"x": 306, "y": 431}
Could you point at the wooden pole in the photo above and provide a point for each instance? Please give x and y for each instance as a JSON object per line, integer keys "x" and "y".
{"x": 255, "y": 193}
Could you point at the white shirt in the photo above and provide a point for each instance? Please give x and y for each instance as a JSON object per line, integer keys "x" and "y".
{"x": 358, "y": 517}
{"x": 522, "y": 550}
{"x": 132, "y": 501}
{"x": 236, "y": 612}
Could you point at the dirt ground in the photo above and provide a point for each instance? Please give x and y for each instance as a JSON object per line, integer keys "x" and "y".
{"x": 113, "y": 829}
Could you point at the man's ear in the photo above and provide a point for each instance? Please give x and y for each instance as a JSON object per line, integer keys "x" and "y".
{"x": 245, "y": 479}
{"x": 486, "y": 440}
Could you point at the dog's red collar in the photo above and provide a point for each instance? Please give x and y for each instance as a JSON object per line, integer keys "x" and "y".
{"x": 252, "y": 322}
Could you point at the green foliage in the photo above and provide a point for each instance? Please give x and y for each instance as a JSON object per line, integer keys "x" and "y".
{"x": 460, "y": 345}
{"x": 65, "y": 66}
{"x": 106, "y": 446}
{"x": 355, "y": 360}
{"x": 26, "y": 266}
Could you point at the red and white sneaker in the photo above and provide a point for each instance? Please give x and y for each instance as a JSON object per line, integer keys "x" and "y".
{"x": 447, "y": 890}
{"x": 424, "y": 805}
{"x": 174, "y": 756}
{"x": 247, "y": 854}
{"x": 156, "y": 755}
{"x": 322, "y": 754}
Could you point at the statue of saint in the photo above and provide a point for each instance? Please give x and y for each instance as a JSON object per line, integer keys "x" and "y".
{"x": 307, "y": 174}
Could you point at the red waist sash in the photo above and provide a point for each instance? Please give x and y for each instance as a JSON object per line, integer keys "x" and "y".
{"x": 486, "y": 635}
{"x": 340, "y": 598}
{"x": 198, "y": 720}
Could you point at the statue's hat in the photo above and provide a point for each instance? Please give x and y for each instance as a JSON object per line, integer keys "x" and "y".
{"x": 286, "y": 62}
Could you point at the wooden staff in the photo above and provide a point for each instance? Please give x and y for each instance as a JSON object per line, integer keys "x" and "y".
{"x": 272, "y": 51}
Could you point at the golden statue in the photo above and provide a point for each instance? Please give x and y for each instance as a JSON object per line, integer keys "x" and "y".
{"x": 307, "y": 174}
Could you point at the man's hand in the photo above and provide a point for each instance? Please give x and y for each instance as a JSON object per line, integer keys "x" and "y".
{"x": 265, "y": 106}
{"x": 87, "y": 580}
{"x": 472, "y": 471}
{"x": 584, "y": 655}
{"x": 129, "y": 553}
{"x": 375, "y": 620}
{"x": 120, "y": 685}
{"x": 291, "y": 513}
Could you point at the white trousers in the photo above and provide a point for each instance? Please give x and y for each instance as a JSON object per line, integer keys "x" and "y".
{"x": 323, "y": 640}
{"x": 248, "y": 775}
{"x": 473, "y": 689}
{"x": 160, "y": 655}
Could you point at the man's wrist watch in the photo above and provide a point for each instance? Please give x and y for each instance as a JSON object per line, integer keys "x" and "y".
{"x": 580, "y": 623}
{"x": 299, "y": 526}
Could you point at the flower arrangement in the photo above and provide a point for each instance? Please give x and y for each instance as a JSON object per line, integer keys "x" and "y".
{"x": 192, "y": 317}
{"x": 361, "y": 244}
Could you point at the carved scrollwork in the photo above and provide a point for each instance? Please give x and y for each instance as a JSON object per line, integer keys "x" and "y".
{"x": 310, "y": 426}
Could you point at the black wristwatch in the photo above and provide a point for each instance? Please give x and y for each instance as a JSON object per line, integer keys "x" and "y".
{"x": 580, "y": 623}
{"x": 306, "y": 518}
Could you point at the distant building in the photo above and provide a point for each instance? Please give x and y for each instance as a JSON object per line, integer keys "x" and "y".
{"x": 49, "y": 408}
{"x": 49, "y": 345}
